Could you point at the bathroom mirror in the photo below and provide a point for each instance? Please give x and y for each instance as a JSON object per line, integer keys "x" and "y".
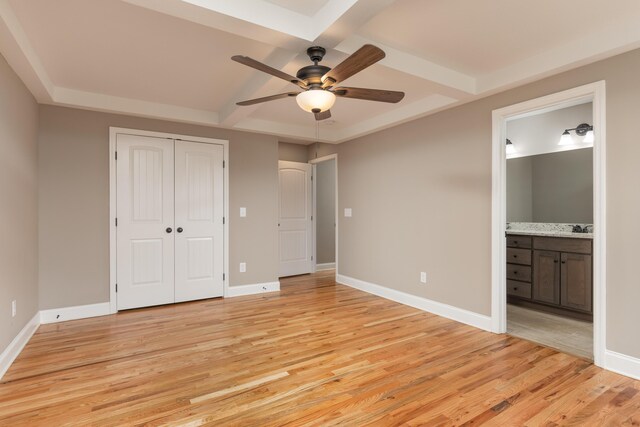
{"x": 551, "y": 188}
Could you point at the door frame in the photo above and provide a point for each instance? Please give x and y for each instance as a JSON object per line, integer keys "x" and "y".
{"x": 314, "y": 162}
{"x": 113, "y": 261}
{"x": 595, "y": 93}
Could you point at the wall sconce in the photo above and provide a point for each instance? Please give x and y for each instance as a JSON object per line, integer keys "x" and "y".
{"x": 511, "y": 149}
{"x": 583, "y": 129}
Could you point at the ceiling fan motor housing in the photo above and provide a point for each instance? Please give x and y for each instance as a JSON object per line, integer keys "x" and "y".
{"x": 311, "y": 74}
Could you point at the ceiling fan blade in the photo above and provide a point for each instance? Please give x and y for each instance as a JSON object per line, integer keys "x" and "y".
{"x": 362, "y": 58}
{"x": 369, "y": 94}
{"x": 323, "y": 116}
{"x": 267, "y": 98}
{"x": 245, "y": 60}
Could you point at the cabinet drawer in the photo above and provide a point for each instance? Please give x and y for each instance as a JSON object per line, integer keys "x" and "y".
{"x": 519, "y": 272}
{"x": 514, "y": 241}
{"x": 576, "y": 246}
{"x": 519, "y": 289}
{"x": 519, "y": 256}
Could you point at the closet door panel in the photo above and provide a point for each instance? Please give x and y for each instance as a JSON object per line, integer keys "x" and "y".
{"x": 145, "y": 212}
{"x": 199, "y": 210}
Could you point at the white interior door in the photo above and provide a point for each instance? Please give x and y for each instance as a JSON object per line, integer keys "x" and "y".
{"x": 199, "y": 210}
{"x": 145, "y": 221}
{"x": 295, "y": 218}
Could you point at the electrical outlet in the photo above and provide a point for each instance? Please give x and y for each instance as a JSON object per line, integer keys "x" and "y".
{"x": 348, "y": 212}
{"x": 14, "y": 308}
{"x": 243, "y": 212}
{"x": 243, "y": 267}
{"x": 423, "y": 277}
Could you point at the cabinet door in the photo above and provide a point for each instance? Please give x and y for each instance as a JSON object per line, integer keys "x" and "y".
{"x": 575, "y": 283}
{"x": 546, "y": 276}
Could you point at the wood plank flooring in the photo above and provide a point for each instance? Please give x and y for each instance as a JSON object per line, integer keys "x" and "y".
{"x": 314, "y": 354}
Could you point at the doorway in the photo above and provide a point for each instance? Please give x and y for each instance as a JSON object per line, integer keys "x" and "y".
{"x": 325, "y": 190}
{"x": 551, "y": 273}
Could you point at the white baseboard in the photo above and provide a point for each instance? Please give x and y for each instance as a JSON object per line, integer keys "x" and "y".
{"x": 15, "y": 347}
{"x": 73, "y": 313}
{"x": 258, "y": 288}
{"x": 444, "y": 310}
{"x": 325, "y": 266}
{"x": 622, "y": 364}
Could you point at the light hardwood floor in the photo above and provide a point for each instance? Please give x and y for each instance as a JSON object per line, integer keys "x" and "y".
{"x": 564, "y": 334}
{"x": 316, "y": 353}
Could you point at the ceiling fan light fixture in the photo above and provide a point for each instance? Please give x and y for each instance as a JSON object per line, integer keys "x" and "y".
{"x": 316, "y": 100}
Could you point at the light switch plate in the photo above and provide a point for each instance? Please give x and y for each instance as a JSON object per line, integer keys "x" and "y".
{"x": 347, "y": 212}
{"x": 14, "y": 308}
{"x": 243, "y": 212}
{"x": 423, "y": 277}
{"x": 243, "y": 267}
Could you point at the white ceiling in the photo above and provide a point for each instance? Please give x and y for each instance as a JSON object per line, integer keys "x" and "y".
{"x": 170, "y": 59}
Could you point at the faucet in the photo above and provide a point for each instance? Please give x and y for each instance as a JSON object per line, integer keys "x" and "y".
{"x": 577, "y": 229}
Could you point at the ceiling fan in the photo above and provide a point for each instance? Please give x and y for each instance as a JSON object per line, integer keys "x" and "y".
{"x": 318, "y": 82}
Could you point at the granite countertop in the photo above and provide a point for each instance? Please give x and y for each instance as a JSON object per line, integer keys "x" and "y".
{"x": 545, "y": 233}
{"x": 547, "y": 229}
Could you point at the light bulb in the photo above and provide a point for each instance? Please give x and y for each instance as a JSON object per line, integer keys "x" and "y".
{"x": 588, "y": 138}
{"x": 316, "y": 100}
{"x": 566, "y": 138}
{"x": 511, "y": 149}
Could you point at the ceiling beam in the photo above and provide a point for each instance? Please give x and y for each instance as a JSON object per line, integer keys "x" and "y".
{"x": 414, "y": 65}
{"x": 17, "y": 50}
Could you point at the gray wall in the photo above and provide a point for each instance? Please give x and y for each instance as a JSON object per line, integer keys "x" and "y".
{"x": 19, "y": 204}
{"x": 292, "y": 152}
{"x": 519, "y": 190}
{"x": 74, "y": 202}
{"x": 554, "y": 187}
{"x": 421, "y": 199}
{"x": 326, "y": 212}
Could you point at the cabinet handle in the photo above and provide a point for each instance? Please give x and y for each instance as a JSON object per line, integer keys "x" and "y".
{"x": 168, "y": 230}
{"x": 564, "y": 262}
{"x": 555, "y": 261}
{"x": 515, "y": 256}
{"x": 179, "y": 230}
{"x": 515, "y": 288}
{"x": 515, "y": 242}
{"x": 515, "y": 273}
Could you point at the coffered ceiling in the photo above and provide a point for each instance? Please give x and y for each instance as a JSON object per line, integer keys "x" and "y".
{"x": 170, "y": 59}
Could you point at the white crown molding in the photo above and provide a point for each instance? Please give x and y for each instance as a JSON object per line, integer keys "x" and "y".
{"x": 17, "y": 344}
{"x": 450, "y": 312}
{"x": 135, "y": 107}
{"x": 402, "y": 114}
{"x": 615, "y": 39}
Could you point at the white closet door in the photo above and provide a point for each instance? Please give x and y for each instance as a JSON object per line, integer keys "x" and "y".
{"x": 199, "y": 180}
{"x": 145, "y": 236}
{"x": 295, "y": 226}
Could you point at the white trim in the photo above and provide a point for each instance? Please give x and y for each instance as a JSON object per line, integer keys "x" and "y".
{"x": 594, "y": 92}
{"x": 622, "y": 364}
{"x": 63, "y": 314}
{"x": 113, "y": 132}
{"x": 450, "y": 312}
{"x": 15, "y": 347}
{"x": 258, "y": 288}
{"x": 326, "y": 266}
{"x": 314, "y": 162}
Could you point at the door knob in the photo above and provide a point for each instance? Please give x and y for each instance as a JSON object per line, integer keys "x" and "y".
{"x": 179, "y": 230}
{"x": 169, "y": 230}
